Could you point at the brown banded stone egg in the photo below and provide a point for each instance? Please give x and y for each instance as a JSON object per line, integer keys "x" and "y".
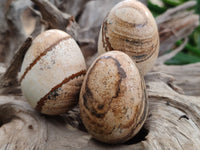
{"x": 113, "y": 103}
{"x": 52, "y": 72}
{"x": 131, "y": 28}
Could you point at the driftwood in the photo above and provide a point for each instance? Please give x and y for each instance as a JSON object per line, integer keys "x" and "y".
{"x": 173, "y": 122}
{"x": 174, "y": 100}
{"x": 12, "y": 34}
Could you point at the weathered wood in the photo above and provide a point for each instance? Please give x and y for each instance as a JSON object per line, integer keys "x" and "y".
{"x": 175, "y": 24}
{"x": 55, "y": 18}
{"x": 174, "y": 100}
{"x": 9, "y": 78}
{"x": 173, "y": 123}
{"x": 73, "y": 7}
{"x": 187, "y": 77}
{"x": 12, "y": 33}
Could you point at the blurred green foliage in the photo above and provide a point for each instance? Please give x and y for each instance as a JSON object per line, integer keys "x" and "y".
{"x": 191, "y": 52}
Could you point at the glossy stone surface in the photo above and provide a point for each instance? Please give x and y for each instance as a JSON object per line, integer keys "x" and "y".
{"x": 113, "y": 103}
{"x": 52, "y": 72}
{"x": 131, "y": 28}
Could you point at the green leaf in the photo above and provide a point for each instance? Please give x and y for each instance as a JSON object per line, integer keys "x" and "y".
{"x": 182, "y": 58}
{"x": 156, "y": 6}
{"x": 173, "y": 2}
{"x": 198, "y": 7}
{"x": 194, "y": 50}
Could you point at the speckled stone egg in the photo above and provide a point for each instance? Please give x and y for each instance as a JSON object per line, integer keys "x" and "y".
{"x": 52, "y": 72}
{"x": 131, "y": 28}
{"x": 113, "y": 102}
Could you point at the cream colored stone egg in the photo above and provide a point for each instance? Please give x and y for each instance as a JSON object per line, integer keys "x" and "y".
{"x": 113, "y": 103}
{"x": 52, "y": 72}
{"x": 131, "y": 28}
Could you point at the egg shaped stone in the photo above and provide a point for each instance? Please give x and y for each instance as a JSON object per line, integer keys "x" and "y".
{"x": 52, "y": 72}
{"x": 113, "y": 102}
{"x": 131, "y": 28}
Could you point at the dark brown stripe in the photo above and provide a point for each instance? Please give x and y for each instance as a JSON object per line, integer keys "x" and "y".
{"x": 42, "y": 54}
{"x": 142, "y": 57}
{"x": 42, "y": 100}
{"x": 137, "y": 57}
{"x": 105, "y": 39}
{"x": 145, "y": 57}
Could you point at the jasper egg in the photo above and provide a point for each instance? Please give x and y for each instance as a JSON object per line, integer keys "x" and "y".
{"x": 52, "y": 72}
{"x": 113, "y": 103}
{"x": 131, "y": 28}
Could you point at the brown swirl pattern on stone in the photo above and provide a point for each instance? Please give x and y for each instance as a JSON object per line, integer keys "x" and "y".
{"x": 61, "y": 98}
{"x": 113, "y": 102}
{"x": 131, "y": 28}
